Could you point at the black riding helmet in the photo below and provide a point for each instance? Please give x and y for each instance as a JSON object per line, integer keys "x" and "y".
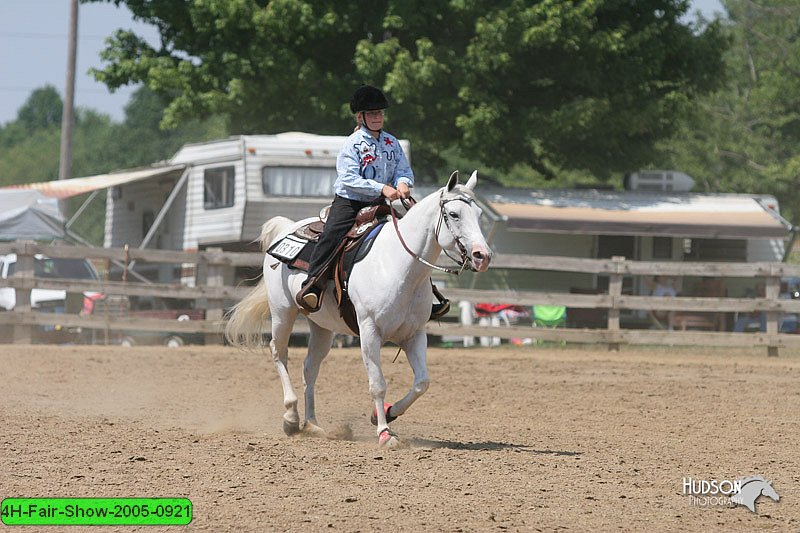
{"x": 368, "y": 98}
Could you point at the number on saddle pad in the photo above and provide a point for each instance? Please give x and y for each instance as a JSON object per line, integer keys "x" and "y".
{"x": 288, "y": 248}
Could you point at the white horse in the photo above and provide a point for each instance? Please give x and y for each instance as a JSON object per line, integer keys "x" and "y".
{"x": 390, "y": 291}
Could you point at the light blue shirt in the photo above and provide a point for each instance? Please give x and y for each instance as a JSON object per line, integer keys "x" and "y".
{"x": 365, "y": 164}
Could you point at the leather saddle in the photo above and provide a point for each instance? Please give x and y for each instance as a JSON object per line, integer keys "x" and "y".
{"x": 295, "y": 250}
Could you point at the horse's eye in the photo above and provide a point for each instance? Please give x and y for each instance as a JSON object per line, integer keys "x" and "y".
{"x": 453, "y": 214}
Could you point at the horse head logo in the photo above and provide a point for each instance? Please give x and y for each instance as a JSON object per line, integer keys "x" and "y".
{"x": 752, "y": 488}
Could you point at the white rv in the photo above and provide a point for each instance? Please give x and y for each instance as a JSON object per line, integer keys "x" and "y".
{"x": 219, "y": 193}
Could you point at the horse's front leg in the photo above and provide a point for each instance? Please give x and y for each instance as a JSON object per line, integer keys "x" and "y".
{"x": 371, "y": 343}
{"x": 416, "y": 350}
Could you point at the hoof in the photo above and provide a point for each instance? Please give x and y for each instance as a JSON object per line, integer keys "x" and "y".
{"x": 388, "y": 440}
{"x": 389, "y": 418}
{"x": 312, "y": 430}
{"x": 291, "y": 428}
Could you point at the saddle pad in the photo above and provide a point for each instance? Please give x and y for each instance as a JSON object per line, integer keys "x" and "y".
{"x": 365, "y": 246}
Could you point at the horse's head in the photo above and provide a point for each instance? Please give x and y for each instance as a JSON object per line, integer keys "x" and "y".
{"x": 460, "y": 217}
{"x": 769, "y": 491}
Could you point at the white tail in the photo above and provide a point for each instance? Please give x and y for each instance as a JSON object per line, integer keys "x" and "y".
{"x": 247, "y": 320}
{"x": 271, "y": 229}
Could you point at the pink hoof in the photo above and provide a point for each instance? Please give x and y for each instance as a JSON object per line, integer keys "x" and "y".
{"x": 389, "y": 418}
{"x": 388, "y": 439}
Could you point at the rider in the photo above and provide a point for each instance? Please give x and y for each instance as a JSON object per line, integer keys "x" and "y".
{"x": 370, "y": 166}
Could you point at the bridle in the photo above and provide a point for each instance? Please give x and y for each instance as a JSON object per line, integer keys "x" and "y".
{"x": 442, "y": 218}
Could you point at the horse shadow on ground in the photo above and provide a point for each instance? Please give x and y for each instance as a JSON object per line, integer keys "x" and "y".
{"x": 484, "y": 446}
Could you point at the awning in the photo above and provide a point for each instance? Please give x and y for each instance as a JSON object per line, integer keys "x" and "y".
{"x": 76, "y": 186}
{"x": 726, "y": 216}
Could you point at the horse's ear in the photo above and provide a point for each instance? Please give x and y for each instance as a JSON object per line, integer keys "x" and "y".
{"x": 453, "y": 181}
{"x": 473, "y": 180}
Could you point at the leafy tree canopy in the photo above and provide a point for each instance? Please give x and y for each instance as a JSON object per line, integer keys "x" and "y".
{"x": 552, "y": 85}
{"x": 744, "y": 137}
{"x": 42, "y": 110}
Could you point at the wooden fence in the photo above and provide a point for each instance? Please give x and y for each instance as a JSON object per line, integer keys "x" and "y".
{"x": 213, "y": 266}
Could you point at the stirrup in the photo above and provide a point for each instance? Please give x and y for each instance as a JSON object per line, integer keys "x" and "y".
{"x": 442, "y": 307}
{"x": 438, "y": 310}
{"x": 309, "y": 298}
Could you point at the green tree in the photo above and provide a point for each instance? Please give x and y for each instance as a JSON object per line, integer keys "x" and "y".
{"x": 745, "y": 137}
{"x": 139, "y": 140}
{"x": 553, "y": 85}
{"x": 41, "y": 110}
{"x": 33, "y": 158}
{"x": 30, "y": 144}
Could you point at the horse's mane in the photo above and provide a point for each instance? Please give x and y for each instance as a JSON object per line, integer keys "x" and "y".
{"x": 750, "y": 479}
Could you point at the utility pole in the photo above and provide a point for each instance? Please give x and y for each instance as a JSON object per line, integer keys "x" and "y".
{"x": 67, "y": 117}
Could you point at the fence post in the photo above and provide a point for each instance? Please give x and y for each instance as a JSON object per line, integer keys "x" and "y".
{"x": 211, "y": 274}
{"x": 614, "y": 291}
{"x": 772, "y": 293}
{"x": 23, "y": 333}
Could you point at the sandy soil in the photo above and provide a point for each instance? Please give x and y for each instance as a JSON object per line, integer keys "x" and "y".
{"x": 507, "y": 439}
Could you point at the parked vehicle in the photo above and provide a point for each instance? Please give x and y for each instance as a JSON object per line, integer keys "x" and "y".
{"x": 119, "y": 307}
{"x": 52, "y": 300}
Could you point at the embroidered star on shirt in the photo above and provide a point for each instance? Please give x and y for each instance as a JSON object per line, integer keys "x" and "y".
{"x": 388, "y": 141}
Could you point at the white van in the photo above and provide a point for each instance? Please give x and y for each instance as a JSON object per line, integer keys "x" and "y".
{"x": 45, "y": 267}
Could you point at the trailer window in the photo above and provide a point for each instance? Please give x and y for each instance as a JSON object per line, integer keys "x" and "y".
{"x": 662, "y": 247}
{"x": 218, "y": 187}
{"x": 715, "y": 250}
{"x": 298, "y": 181}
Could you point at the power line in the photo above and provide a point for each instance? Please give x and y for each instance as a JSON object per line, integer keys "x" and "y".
{"x": 29, "y": 89}
{"x": 33, "y": 35}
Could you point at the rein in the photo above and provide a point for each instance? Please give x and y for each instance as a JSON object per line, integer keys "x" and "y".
{"x": 442, "y": 216}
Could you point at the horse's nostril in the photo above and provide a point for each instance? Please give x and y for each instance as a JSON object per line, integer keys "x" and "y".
{"x": 481, "y": 257}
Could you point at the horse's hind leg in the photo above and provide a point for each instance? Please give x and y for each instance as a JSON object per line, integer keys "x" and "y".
{"x": 279, "y": 346}
{"x": 319, "y": 345}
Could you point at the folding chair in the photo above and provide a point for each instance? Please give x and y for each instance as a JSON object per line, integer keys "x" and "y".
{"x": 549, "y": 316}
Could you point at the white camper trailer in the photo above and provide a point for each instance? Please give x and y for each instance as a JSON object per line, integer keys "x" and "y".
{"x": 219, "y": 193}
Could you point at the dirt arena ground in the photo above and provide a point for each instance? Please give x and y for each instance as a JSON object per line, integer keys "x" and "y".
{"x": 506, "y": 439}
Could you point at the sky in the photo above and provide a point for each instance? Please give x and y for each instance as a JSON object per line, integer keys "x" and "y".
{"x": 33, "y": 51}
